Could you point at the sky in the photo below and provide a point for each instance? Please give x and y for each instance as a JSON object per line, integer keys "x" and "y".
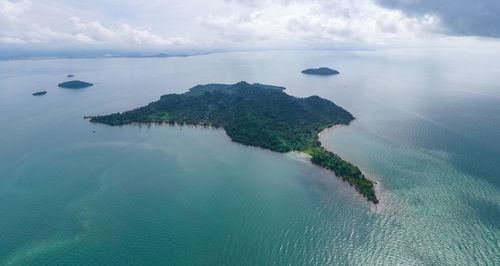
{"x": 201, "y": 25}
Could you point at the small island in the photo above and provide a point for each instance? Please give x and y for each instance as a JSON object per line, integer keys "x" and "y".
{"x": 70, "y": 76}
{"x": 75, "y": 84}
{"x": 257, "y": 115}
{"x": 322, "y": 71}
{"x": 39, "y": 93}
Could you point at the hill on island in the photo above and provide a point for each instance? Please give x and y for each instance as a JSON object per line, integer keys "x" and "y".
{"x": 322, "y": 71}
{"x": 75, "y": 84}
{"x": 257, "y": 115}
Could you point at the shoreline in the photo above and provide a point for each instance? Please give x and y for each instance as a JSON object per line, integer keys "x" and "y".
{"x": 299, "y": 153}
{"x": 328, "y": 129}
{"x": 376, "y": 184}
{"x": 163, "y": 123}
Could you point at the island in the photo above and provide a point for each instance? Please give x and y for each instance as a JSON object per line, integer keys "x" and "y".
{"x": 322, "y": 71}
{"x": 70, "y": 76}
{"x": 257, "y": 115}
{"x": 75, "y": 84}
{"x": 39, "y": 93}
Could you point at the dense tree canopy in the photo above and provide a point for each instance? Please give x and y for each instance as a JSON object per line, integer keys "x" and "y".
{"x": 322, "y": 71}
{"x": 75, "y": 84}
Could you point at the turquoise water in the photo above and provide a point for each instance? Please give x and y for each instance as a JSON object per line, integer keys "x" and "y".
{"x": 427, "y": 130}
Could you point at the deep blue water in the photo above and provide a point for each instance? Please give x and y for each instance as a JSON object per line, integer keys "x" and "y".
{"x": 427, "y": 129}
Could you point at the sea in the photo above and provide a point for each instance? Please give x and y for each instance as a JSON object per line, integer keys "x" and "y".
{"x": 427, "y": 130}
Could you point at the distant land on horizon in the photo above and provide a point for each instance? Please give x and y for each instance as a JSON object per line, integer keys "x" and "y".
{"x": 19, "y": 54}
{"x": 257, "y": 115}
{"x": 89, "y": 55}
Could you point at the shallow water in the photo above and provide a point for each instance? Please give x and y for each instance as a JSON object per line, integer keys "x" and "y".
{"x": 427, "y": 130}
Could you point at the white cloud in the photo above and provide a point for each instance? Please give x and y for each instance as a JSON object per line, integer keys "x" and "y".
{"x": 337, "y": 22}
{"x": 10, "y": 40}
{"x": 144, "y": 37}
{"x": 216, "y": 24}
{"x": 10, "y": 10}
{"x": 20, "y": 26}
{"x": 124, "y": 34}
{"x": 38, "y": 34}
{"x": 95, "y": 29}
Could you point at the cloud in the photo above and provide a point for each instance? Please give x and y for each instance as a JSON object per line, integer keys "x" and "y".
{"x": 144, "y": 37}
{"x": 460, "y": 17}
{"x": 38, "y": 34}
{"x": 124, "y": 34}
{"x": 10, "y": 10}
{"x": 228, "y": 24}
{"x": 94, "y": 28}
{"x": 91, "y": 33}
{"x": 333, "y": 22}
{"x": 28, "y": 23}
{"x": 10, "y": 40}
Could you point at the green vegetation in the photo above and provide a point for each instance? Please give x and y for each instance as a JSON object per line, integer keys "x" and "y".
{"x": 322, "y": 71}
{"x": 75, "y": 84}
{"x": 257, "y": 115}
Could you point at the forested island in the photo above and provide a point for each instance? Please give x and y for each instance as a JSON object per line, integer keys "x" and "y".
{"x": 39, "y": 93}
{"x": 75, "y": 84}
{"x": 258, "y": 115}
{"x": 322, "y": 71}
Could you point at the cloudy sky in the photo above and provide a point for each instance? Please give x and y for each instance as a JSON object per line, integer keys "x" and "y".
{"x": 170, "y": 25}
